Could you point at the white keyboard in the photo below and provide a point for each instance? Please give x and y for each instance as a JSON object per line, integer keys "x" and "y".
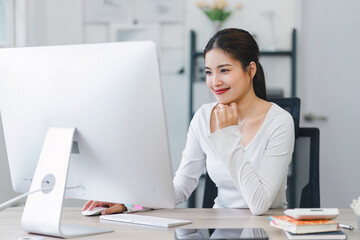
{"x": 144, "y": 220}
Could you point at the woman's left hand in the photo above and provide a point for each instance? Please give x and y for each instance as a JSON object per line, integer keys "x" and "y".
{"x": 226, "y": 115}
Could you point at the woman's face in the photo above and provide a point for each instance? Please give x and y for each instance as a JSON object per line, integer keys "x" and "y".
{"x": 226, "y": 77}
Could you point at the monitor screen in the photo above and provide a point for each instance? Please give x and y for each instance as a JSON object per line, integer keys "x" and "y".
{"x": 111, "y": 93}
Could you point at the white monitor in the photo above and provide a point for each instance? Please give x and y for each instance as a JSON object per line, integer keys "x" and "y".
{"x": 111, "y": 93}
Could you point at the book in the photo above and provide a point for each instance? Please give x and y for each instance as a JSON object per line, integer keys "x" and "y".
{"x": 303, "y": 226}
{"x": 338, "y": 235}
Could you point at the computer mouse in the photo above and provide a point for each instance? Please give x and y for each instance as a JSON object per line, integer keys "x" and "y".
{"x": 94, "y": 212}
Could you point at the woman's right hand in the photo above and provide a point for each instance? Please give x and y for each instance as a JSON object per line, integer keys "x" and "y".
{"x": 226, "y": 115}
{"x": 111, "y": 207}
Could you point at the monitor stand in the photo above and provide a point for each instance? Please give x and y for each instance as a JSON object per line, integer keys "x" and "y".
{"x": 42, "y": 212}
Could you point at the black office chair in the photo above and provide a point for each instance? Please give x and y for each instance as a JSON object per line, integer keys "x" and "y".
{"x": 299, "y": 194}
{"x": 310, "y": 193}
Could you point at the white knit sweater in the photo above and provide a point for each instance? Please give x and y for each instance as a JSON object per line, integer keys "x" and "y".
{"x": 253, "y": 177}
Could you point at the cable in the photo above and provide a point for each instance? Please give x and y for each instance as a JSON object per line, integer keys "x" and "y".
{"x": 15, "y": 200}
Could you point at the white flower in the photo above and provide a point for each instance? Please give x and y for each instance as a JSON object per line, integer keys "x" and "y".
{"x": 356, "y": 206}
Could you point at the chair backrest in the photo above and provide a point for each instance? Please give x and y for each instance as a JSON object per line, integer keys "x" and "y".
{"x": 292, "y": 105}
{"x": 302, "y": 191}
{"x": 308, "y": 193}
{"x": 210, "y": 192}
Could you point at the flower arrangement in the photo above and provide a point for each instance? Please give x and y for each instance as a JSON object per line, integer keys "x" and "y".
{"x": 216, "y": 11}
{"x": 356, "y": 206}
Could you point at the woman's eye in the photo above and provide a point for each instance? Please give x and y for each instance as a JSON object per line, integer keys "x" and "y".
{"x": 207, "y": 72}
{"x": 224, "y": 70}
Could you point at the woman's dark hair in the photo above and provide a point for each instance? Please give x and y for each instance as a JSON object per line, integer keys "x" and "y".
{"x": 241, "y": 46}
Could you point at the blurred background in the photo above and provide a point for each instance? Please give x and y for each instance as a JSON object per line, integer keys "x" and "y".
{"x": 310, "y": 50}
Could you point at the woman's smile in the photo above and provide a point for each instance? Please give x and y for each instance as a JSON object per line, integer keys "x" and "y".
{"x": 220, "y": 91}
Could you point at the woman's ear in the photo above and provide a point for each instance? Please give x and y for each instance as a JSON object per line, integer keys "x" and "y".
{"x": 252, "y": 69}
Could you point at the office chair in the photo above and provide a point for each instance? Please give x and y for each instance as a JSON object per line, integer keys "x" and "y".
{"x": 303, "y": 193}
{"x": 310, "y": 194}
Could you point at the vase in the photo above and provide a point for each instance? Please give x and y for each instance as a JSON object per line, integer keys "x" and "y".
{"x": 217, "y": 26}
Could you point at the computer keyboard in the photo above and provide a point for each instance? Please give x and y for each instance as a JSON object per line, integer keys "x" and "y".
{"x": 144, "y": 220}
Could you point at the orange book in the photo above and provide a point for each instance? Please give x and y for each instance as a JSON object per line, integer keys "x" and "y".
{"x": 303, "y": 226}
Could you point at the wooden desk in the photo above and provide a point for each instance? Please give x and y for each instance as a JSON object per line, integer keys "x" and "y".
{"x": 201, "y": 218}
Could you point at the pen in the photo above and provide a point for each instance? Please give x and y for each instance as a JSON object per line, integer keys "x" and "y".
{"x": 346, "y": 226}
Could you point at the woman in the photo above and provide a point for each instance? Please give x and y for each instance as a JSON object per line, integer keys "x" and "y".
{"x": 244, "y": 142}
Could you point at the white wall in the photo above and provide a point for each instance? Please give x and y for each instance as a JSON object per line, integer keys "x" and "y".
{"x": 328, "y": 81}
{"x": 53, "y": 22}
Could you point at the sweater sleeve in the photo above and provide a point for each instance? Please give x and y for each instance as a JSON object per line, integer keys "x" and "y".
{"x": 192, "y": 164}
{"x": 259, "y": 186}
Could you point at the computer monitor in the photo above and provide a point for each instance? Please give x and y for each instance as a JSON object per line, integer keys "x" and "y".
{"x": 108, "y": 94}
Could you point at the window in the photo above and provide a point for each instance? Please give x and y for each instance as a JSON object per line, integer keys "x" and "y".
{"x": 6, "y": 22}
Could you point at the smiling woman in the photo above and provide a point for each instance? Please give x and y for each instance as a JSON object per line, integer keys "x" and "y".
{"x": 244, "y": 142}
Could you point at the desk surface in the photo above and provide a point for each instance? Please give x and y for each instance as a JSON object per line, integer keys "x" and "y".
{"x": 201, "y": 218}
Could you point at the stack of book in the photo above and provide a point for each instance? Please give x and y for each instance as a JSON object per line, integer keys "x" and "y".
{"x": 307, "y": 229}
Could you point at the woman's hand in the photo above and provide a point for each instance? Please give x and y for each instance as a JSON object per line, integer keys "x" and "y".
{"x": 111, "y": 207}
{"x": 226, "y": 115}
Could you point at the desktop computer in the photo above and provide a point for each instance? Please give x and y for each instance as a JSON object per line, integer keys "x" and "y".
{"x": 86, "y": 122}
